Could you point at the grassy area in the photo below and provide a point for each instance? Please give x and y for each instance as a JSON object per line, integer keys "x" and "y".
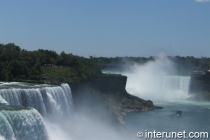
{"x": 66, "y": 74}
{"x": 55, "y": 72}
{"x": 58, "y": 74}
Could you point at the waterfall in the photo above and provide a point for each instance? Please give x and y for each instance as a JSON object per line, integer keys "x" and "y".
{"x": 177, "y": 83}
{"x": 18, "y": 123}
{"x": 26, "y": 123}
{"x": 47, "y": 99}
{"x": 158, "y": 88}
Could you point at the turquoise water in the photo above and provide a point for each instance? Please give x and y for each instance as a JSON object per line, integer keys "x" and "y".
{"x": 172, "y": 93}
{"x": 195, "y": 118}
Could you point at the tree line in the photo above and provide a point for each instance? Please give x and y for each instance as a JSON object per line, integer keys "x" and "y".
{"x": 184, "y": 65}
{"x": 18, "y": 64}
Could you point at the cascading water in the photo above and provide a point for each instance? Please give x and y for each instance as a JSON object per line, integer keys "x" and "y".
{"x": 177, "y": 86}
{"x": 154, "y": 81}
{"x": 22, "y": 124}
{"x": 59, "y": 101}
{"x": 45, "y": 99}
{"x": 17, "y": 121}
{"x": 158, "y": 88}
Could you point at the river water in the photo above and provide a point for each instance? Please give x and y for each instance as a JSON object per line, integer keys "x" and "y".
{"x": 195, "y": 118}
{"x": 53, "y": 118}
{"x": 170, "y": 92}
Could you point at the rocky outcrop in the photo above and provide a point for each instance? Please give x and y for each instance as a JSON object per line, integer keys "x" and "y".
{"x": 107, "y": 98}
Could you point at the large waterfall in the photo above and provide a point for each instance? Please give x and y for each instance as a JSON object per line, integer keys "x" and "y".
{"x": 158, "y": 88}
{"x": 176, "y": 84}
{"x": 22, "y": 106}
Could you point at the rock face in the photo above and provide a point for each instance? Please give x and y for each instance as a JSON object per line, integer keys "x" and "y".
{"x": 199, "y": 83}
{"x": 107, "y": 98}
{"x": 200, "y": 86}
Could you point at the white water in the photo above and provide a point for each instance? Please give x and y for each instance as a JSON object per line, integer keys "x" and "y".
{"x": 2, "y": 138}
{"x": 44, "y": 98}
{"x": 22, "y": 124}
{"x": 54, "y": 103}
{"x": 158, "y": 88}
{"x": 154, "y": 81}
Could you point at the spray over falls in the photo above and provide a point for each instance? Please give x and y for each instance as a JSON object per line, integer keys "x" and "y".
{"x": 159, "y": 88}
{"x": 155, "y": 80}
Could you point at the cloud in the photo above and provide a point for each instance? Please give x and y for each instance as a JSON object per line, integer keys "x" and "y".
{"x": 202, "y": 1}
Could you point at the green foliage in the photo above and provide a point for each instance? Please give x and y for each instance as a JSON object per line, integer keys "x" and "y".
{"x": 186, "y": 65}
{"x": 17, "y": 64}
{"x": 76, "y": 69}
{"x": 47, "y": 56}
{"x": 22, "y": 65}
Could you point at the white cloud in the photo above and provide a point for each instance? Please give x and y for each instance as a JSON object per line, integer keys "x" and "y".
{"x": 202, "y": 1}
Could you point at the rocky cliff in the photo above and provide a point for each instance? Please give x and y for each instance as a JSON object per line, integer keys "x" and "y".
{"x": 200, "y": 86}
{"x": 107, "y": 98}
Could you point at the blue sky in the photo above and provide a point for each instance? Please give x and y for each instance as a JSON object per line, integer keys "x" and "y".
{"x": 108, "y": 27}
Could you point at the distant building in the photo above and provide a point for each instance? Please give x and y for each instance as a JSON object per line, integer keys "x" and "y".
{"x": 199, "y": 72}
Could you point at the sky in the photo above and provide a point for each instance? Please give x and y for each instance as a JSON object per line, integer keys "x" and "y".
{"x": 108, "y": 28}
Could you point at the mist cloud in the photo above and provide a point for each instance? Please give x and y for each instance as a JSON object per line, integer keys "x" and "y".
{"x": 202, "y": 1}
{"x": 156, "y": 80}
